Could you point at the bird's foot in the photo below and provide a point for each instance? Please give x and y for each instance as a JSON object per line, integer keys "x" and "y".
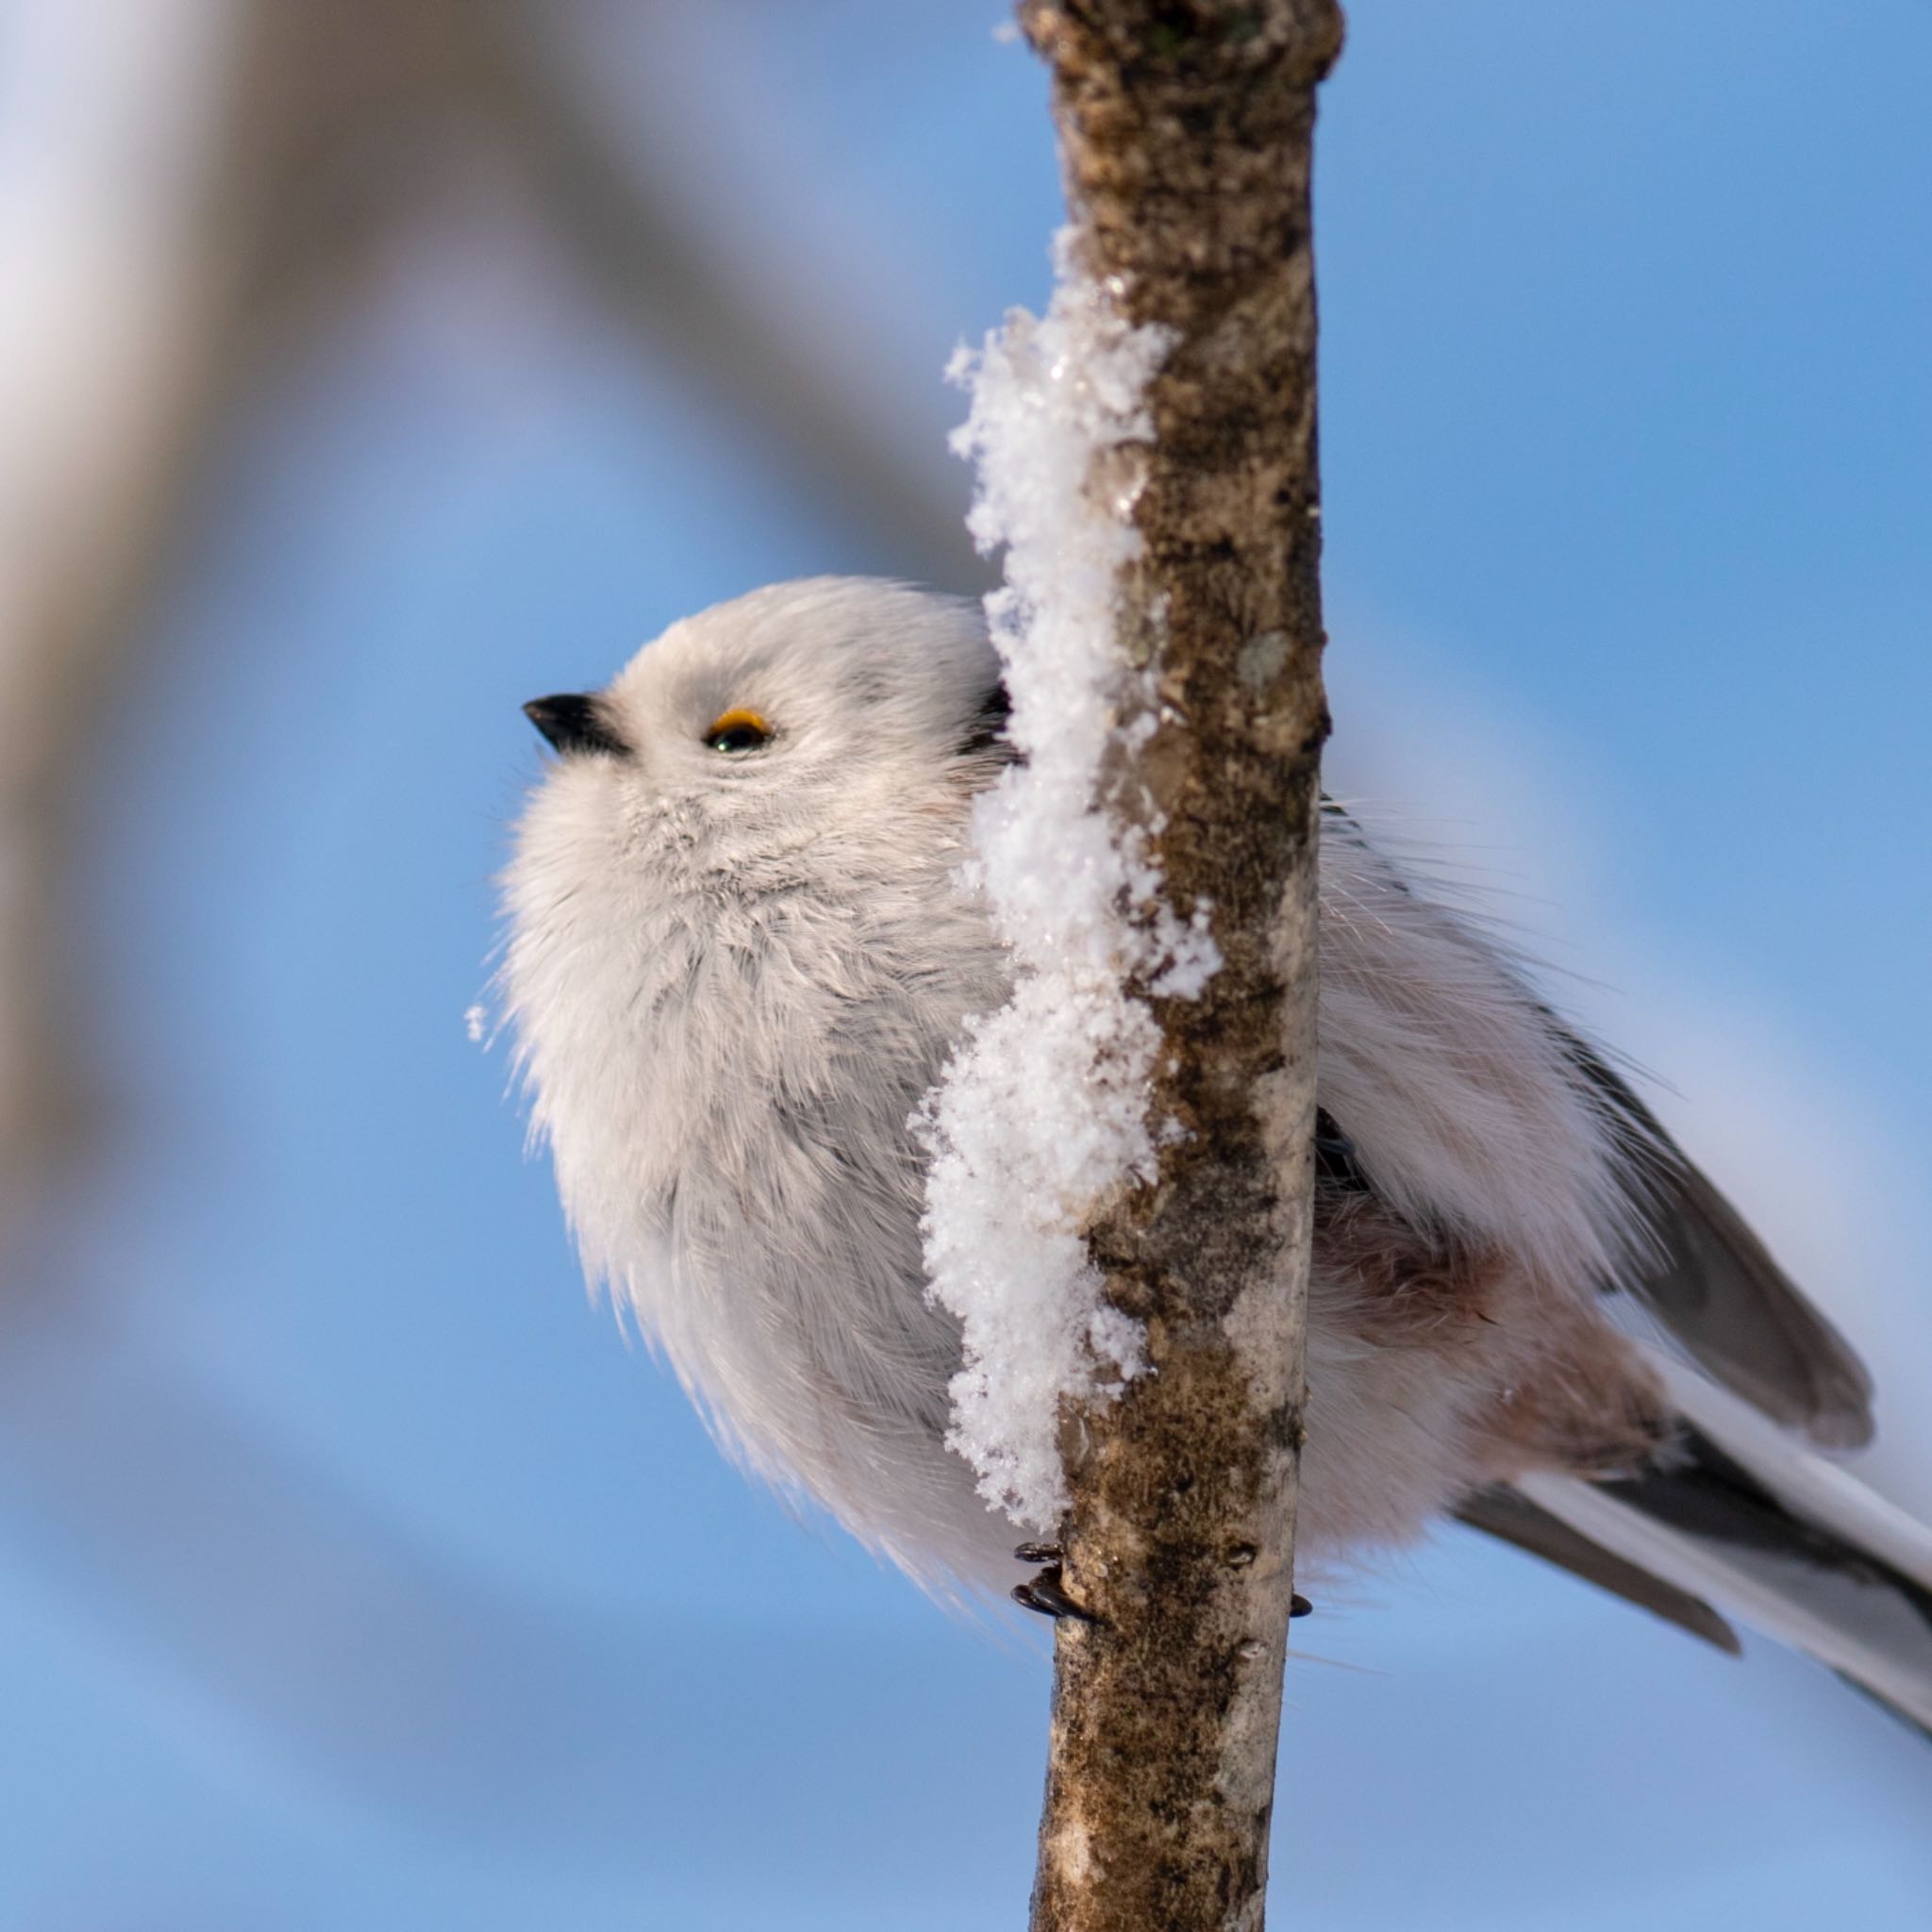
{"x": 1047, "y": 1593}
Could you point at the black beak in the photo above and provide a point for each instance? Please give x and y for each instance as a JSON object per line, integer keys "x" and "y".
{"x": 573, "y": 722}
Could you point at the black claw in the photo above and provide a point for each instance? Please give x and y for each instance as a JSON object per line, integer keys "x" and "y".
{"x": 1038, "y": 1553}
{"x": 1047, "y": 1594}
{"x": 1298, "y": 1606}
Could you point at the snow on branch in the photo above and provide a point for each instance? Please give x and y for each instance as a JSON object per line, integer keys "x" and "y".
{"x": 1047, "y": 1107}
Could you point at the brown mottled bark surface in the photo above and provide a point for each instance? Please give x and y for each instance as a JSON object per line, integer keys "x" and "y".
{"x": 1185, "y": 127}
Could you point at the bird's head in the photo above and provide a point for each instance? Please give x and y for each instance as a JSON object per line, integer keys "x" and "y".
{"x": 809, "y": 717}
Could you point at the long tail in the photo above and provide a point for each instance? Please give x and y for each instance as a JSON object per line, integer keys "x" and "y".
{"x": 1768, "y": 1532}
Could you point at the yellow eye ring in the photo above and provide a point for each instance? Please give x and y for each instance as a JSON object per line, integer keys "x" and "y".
{"x": 737, "y": 730}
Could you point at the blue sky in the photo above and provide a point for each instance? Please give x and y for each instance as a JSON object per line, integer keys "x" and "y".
{"x": 355, "y": 1573}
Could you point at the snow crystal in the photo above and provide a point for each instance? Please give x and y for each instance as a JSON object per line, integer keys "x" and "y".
{"x": 475, "y": 1021}
{"x": 1045, "y": 1107}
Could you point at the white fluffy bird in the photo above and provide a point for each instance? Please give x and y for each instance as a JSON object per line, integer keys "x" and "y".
{"x": 741, "y": 953}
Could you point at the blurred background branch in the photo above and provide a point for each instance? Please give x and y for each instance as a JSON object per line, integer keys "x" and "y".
{"x": 232, "y": 178}
{"x": 187, "y": 243}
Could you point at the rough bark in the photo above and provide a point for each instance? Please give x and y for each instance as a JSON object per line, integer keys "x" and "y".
{"x": 1185, "y": 130}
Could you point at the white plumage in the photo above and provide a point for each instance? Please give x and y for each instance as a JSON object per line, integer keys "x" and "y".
{"x": 738, "y": 962}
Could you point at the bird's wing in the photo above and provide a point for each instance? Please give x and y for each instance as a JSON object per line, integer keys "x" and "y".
{"x": 1717, "y": 1291}
{"x": 1705, "y": 1278}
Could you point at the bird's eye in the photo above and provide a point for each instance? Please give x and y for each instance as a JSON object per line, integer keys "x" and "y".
{"x": 737, "y": 731}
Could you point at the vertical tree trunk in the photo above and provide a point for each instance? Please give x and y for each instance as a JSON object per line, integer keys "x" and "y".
{"x": 1185, "y": 127}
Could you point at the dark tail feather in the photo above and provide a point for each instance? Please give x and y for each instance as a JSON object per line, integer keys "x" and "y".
{"x": 1741, "y": 1518}
{"x": 1510, "y": 1517}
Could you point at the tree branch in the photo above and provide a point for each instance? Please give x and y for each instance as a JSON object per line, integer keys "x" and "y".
{"x": 1186, "y": 133}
